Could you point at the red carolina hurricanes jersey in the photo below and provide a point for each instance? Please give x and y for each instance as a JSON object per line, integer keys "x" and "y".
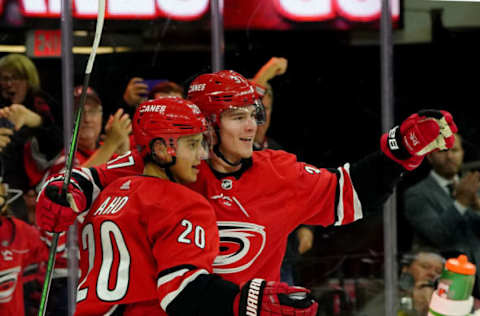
{"x": 23, "y": 249}
{"x": 127, "y": 164}
{"x": 143, "y": 240}
{"x": 256, "y": 212}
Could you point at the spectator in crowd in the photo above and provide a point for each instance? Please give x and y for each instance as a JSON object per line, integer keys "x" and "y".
{"x": 20, "y": 250}
{"x": 117, "y": 129}
{"x": 418, "y": 272}
{"x": 423, "y": 264}
{"x": 25, "y": 117}
{"x": 92, "y": 150}
{"x": 444, "y": 208}
{"x": 166, "y": 89}
{"x": 137, "y": 91}
{"x": 300, "y": 240}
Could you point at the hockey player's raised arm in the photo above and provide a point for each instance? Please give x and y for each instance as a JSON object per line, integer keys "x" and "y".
{"x": 402, "y": 148}
{"x": 343, "y": 195}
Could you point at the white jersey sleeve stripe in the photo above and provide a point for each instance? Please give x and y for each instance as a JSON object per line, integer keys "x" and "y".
{"x": 340, "y": 213}
{"x": 357, "y": 206}
{"x": 87, "y": 174}
{"x": 169, "y": 277}
{"x": 172, "y": 295}
{"x": 349, "y": 208}
{"x": 111, "y": 310}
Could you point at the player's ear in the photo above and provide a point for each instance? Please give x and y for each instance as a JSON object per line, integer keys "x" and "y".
{"x": 159, "y": 151}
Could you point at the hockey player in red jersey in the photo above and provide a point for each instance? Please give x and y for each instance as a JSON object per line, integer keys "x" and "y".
{"x": 20, "y": 247}
{"x": 260, "y": 197}
{"x": 148, "y": 242}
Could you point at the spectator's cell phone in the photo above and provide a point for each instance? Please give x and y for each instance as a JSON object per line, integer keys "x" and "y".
{"x": 6, "y": 123}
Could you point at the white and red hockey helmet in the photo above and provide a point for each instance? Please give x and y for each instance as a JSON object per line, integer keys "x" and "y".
{"x": 168, "y": 118}
{"x": 217, "y": 92}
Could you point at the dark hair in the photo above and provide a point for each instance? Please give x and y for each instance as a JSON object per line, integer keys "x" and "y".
{"x": 166, "y": 87}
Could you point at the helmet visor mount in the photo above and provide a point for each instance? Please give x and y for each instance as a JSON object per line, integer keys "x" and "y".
{"x": 260, "y": 114}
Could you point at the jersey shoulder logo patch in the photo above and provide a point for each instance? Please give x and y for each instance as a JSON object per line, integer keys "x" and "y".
{"x": 312, "y": 170}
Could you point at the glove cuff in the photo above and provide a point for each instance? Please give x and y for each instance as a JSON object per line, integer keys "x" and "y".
{"x": 392, "y": 146}
{"x": 249, "y": 301}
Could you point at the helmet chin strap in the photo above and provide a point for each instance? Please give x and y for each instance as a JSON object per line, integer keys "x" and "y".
{"x": 217, "y": 152}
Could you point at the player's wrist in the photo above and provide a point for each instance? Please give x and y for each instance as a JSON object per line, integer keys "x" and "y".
{"x": 392, "y": 146}
{"x": 394, "y": 143}
{"x": 262, "y": 298}
{"x": 249, "y": 299}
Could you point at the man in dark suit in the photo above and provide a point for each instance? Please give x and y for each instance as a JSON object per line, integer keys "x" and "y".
{"x": 444, "y": 209}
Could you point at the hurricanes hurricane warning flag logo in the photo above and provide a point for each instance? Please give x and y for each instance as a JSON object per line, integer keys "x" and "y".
{"x": 240, "y": 245}
{"x": 8, "y": 283}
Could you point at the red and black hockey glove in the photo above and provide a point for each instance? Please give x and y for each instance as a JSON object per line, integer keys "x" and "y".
{"x": 258, "y": 297}
{"x": 53, "y": 212}
{"x": 419, "y": 135}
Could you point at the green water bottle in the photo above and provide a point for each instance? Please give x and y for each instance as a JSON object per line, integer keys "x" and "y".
{"x": 453, "y": 296}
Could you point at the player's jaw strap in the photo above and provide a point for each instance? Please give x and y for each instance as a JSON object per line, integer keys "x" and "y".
{"x": 167, "y": 166}
{"x": 217, "y": 152}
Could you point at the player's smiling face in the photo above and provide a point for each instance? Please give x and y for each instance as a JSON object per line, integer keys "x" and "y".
{"x": 189, "y": 152}
{"x": 237, "y": 132}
